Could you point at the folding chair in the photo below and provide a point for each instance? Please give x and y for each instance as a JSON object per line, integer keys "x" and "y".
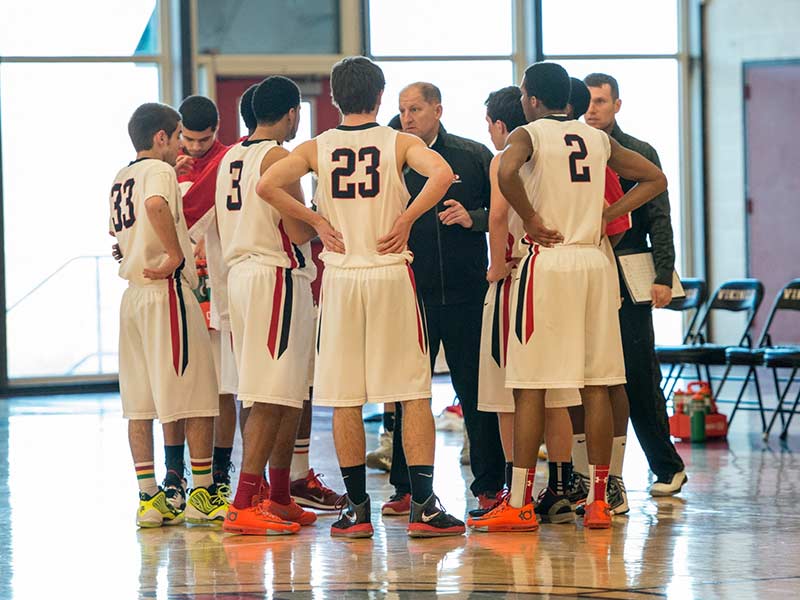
{"x": 696, "y": 296}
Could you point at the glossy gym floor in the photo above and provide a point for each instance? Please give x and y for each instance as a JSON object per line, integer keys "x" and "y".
{"x": 68, "y": 498}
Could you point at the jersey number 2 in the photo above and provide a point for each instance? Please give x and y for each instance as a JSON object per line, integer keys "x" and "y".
{"x": 575, "y": 175}
{"x": 234, "y": 199}
{"x": 123, "y": 221}
{"x": 369, "y": 154}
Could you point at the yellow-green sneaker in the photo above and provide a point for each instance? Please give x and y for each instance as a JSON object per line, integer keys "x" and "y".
{"x": 206, "y": 505}
{"x": 155, "y": 511}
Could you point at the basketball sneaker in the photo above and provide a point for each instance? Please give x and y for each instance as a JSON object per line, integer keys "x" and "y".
{"x": 597, "y": 515}
{"x": 429, "y": 519}
{"x": 617, "y": 495}
{"x": 670, "y": 485}
{"x": 398, "y": 504}
{"x": 206, "y": 505}
{"x": 291, "y": 512}
{"x": 354, "y": 520}
{"x": 155, "y": 511}
{"x": 554, "y": 508}
{"x": 174, "y": 487}
{"x": 450, "y": 419}
{"x": 381, "y": 457}
{"x": 487, "y": 502}
{"x": 257, "y": 520}
{"x": 506, "y": 518}
{"x": 311, "y": 492}
{"x": 577, "y": 488}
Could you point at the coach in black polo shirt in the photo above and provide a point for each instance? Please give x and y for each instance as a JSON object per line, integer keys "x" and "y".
{"x": 450, "y": 262}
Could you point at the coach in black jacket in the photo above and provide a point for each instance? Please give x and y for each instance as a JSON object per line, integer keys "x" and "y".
{"x": 450, "y": 262}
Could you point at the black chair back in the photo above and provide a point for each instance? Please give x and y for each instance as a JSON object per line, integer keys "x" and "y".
{"x": 736, "y": 295}
{"x": 787, "y": 299}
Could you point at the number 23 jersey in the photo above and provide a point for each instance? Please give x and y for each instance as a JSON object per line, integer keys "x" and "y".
{"x": 360, "y": 192}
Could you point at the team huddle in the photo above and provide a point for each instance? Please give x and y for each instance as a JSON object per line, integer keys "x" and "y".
{"x": 550, "y": 341}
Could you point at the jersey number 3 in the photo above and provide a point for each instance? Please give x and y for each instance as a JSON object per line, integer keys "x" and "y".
{"x": 234, "y": 199}
{"x": 371, "y": 156}
{"x": 123, "y": 221}
{"x": 582, "y": 175}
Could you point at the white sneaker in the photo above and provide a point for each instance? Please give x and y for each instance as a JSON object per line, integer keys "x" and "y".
{"x": 671, "y": 487}
{"x": 450, "y": 419}
{"x": 381, "y": 457}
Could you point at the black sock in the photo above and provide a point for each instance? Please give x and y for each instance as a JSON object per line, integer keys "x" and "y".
{"x": 222, "y": 463}
{"x": 388, "y": 421}
{"x": 173, "y": 459}
{"x": 355, "y": 481}
{"x": 560, "y": 473}
{"x": 509, "y": 474}
{"x": 421, "y": 482}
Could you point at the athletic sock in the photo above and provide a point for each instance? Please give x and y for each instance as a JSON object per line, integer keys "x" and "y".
{"x": 560, "y": 473}
{"x": 580, "y": 455}
{"x": 355, "y": 482}
{"x": 617, "y": 455}
{"x": 300, "y": 466}
{"x": 521, "y": 487}
{"x": 146, "y": 477}
{"x": 279, "y": 485}
{"x": 249, "y": 484}
{"x": 421, "y": 477}
{"x": 173, "y": 459}
{"x": 388, "y": 422}
{"x": 222, "y": 464}
{"x": 201, "y": 472}
{"x": 598, "y": 480}
{"x": 509, "y": 473}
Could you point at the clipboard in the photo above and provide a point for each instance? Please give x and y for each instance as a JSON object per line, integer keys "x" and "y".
{"x": 639, "y": 273}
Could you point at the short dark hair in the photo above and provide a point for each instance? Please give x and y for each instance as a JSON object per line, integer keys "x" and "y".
{"x": 148, "y": 120}
{"x": 549, "y": 82}
{"x": 273, "y": 98}
{"x": 600, "y": 79}
{"x": 579, "y": 98}
{"x": 504, "y": 105}
{"x": 246, "y": 108}
{"x": 395, "y": 123}
{"x": 356, "y": 83}
{"x": 430, "y": 93}
{"x": 199, "y": 113}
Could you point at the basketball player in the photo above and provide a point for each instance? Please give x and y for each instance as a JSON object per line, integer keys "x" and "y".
{"x": 565, "y": 330}
{"x": 371, "y": 336}
{"x": 165, "y": 356}
{"x": 271, "y": 314}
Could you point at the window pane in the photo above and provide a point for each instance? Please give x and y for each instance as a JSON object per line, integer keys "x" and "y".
{"x": 441, "y": 28}
{"x": 83, "y": 28}
{"x": 611, "y": 27}
{"x": 464, "y": 85}
{"x": 62, "y": 287}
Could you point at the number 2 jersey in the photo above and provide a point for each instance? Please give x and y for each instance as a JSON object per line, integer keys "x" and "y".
{"x": 141, "y": 248}
{"x": 360, "y": 192}
{"x": 249, "y": 228}
{"x": 565, "y": 177}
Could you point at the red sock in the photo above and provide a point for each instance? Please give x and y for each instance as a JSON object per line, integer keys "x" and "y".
{"x": 247, "y": 488}
{"x": 598, "y": 477}
{"x": 279, "y": 485}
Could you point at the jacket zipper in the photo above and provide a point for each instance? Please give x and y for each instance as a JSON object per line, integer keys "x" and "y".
{"x": 439, "y": 244}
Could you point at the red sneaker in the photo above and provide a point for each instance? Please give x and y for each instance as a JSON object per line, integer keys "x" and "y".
{"x": 597, "y": 516}
{"x": 399, "y": 504}
{"x": 291, "y": 512}
{"x": 256, "y": 520}
{"x": 311, "y": 492}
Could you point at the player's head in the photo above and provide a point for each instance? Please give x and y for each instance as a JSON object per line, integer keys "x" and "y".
{"x": 545, "y": 87}
{"x": 200, "y": 119}
{"x": 357, "y": 85}
{"x": 395, "y": 123}
{"x": 579, "y": 98}
{"x": 605, "y": 103}
{"x": 246, "y": 109}
{"x": 421, "y": 110}
{"x": 504, "y": 114}
{"x": 157, "y": 128}
{"x": 276, "y": 101}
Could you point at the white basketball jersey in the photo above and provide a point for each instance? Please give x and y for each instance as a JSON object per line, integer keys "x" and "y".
{"x": 249, "y": 228}
{"x": 360, "y": 192}
{"x": 515, "y": 233}
{"x": 141, "y": 248}
{"x": 565, "y": 177}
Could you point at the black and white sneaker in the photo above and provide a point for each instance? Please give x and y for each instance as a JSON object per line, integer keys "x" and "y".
{"x": 617, "y": 495}
{"x": 174, "y": 487}
{"x": 354, "y": 519}
{"x": 577, "y": 489}
{"x": 554, "y": 508}
{"x": 669, "y": 486}
{"x": 430, "y": 519}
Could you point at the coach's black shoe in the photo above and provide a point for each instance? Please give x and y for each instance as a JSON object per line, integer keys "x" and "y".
{"x": 577, "y": 489}
{"x": 354, "y": 519}
{"x": 554, "y": 508}
{"x": 429, "y": 519}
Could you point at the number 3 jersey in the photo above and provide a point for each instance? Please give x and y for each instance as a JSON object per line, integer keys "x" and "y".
{"x": 141, "y": 248}
{"x": 360, "y": 192}
{"x": 565, "y": 177}
{"x": 249, "y": 228}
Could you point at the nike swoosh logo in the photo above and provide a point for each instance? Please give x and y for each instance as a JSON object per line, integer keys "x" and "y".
{"x": 426, "y": 475}
{"x": 429, "y": 518}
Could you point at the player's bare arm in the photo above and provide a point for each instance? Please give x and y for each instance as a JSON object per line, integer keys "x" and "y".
{"x": 299, "y": 231}
{"x": 272, "y": 188}
{"x": 518, "y": 150}
{"x": 631, "y": 165}
{"x": 164, "y": 225}
{"x": 412, "y": 151}
{"x": 498, "y": 228}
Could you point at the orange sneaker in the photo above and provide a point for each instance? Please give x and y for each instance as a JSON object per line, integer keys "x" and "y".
{"x": 256, "y": 520}
{"x": 505, "y": 517}
{"x": 291, "y": 512}
{"x": 597, "y": 516}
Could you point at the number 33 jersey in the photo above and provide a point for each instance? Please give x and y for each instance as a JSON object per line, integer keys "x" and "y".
{"x": 141, "y": 248}
{"x": 565, "y": 177}
{"x": 360, "y": 192}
